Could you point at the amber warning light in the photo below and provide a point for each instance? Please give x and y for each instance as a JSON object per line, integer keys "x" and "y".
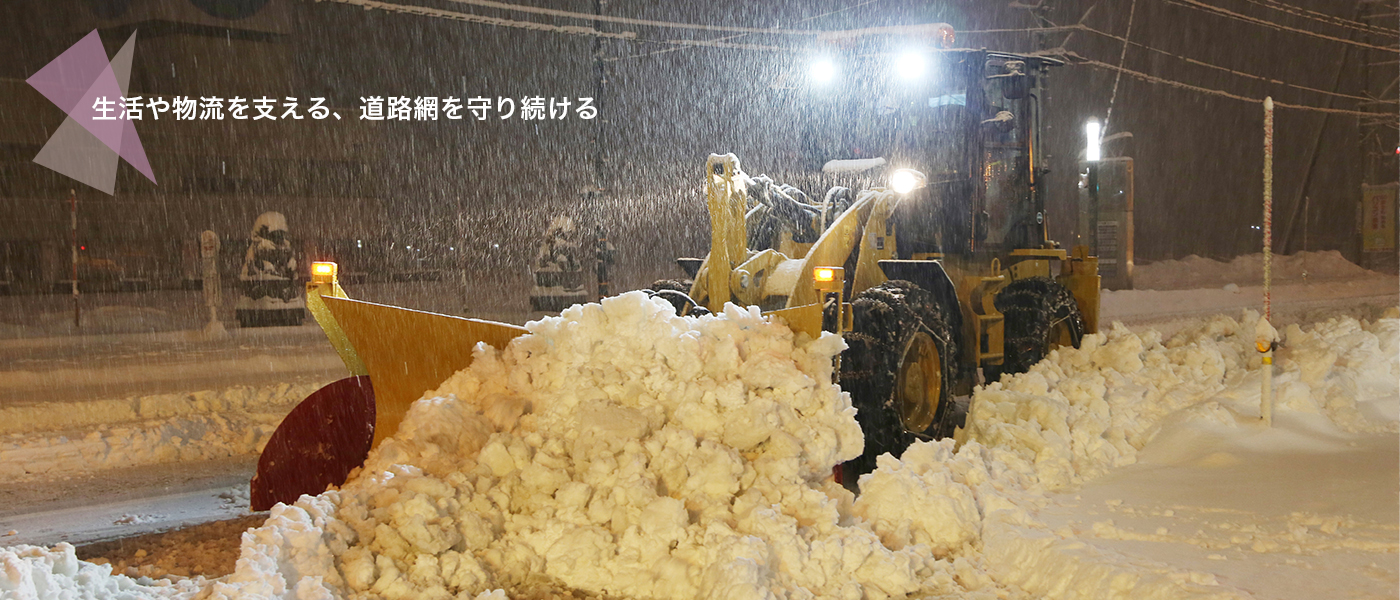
{"x": 824, "y": 274}
{"x": 323, "y": 272}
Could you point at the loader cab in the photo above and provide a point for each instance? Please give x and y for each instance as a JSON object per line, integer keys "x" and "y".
{"x": 969, "y": 122}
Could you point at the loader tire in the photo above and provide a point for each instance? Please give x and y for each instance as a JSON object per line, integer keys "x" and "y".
{"x": 679, "y": 285}
{"x": 898, "y": 368}
{"x": 1041, "y": 315}
{"x": 675, "y": 291}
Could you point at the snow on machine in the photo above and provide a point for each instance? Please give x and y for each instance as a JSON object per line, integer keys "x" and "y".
{"x": 267, "y": 283}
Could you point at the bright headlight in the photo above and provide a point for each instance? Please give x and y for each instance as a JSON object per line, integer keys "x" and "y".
{"x": 822, "y": 70}
{"x": 910, "y": 66}
{"x": 906, "y": 180}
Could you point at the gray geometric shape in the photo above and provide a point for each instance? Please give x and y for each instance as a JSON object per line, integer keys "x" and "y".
{"x": 130, "y": 146}
{"x": 77, "y": 153}
{"x": 85, "y": 67}
{"x": 121, "y": 63}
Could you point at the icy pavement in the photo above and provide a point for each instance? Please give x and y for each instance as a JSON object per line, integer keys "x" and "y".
{"x": 91, "y": 509}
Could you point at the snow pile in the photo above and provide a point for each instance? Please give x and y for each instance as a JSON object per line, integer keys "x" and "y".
{"x": 162, "y": 428}
{"x": 1195, "y": 272}
{"x": 621, "y": 451}
{"x": 33, "y": 572}
{"x": 1083, "y": 412}
{"x": 616, "y": 450}
{"x": 852, "y": 165}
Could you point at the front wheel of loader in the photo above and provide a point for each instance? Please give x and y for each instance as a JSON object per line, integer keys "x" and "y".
{"x": 899, "y": 368}
{"x": 676, "y": 292}
{"x": 1041, "y": 315}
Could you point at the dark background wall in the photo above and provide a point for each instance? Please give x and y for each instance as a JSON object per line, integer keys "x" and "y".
{"x": 476, "y": 194}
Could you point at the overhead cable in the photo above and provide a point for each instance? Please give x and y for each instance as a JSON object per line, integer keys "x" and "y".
{"x": 739, "y": 35}
{"x": 1121, "y": 57}
{"x": 1320, "y": 17}
{"x": 632, "y": 36}
{"x": 1225, "y": 69}
{"x": 568, "y": 14}
{"x": 483, "y": 20}
{"x": 1215, "y": 10}
{"x": 1214, "y": 92}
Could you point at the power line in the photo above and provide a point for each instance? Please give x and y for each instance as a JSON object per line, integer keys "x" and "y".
{"x": 1215, "y": 10}
{"x": 1298, "y": 11}
{"x": 483, "y": 20}
{"x": 1220, "y": 68}
{"x": 1214, "y": 92}
{"x": 739, "y": 35}
{"x": 632, "y": 36}
{"x": 1121, "y": 56}
{"x": 629, "y": 21}
{"x": 1200, "y": 63}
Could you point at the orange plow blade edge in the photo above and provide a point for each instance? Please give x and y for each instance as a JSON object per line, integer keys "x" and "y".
{"x": 328, "y": 435}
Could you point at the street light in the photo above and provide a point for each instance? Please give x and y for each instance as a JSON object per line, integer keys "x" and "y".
{"x": 1092, "y": 153}
{"x": 1093, "y": 134}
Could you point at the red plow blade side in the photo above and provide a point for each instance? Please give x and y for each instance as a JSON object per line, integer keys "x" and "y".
{"x": 317, "y": 445}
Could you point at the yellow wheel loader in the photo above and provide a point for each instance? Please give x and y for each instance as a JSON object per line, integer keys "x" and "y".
{"x": 947, "y": 270}
{"x": 947, "y": 265}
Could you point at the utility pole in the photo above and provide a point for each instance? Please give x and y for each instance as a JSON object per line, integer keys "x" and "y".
{"x": 1264, "y": 331}
{"x": 598, "y": 196}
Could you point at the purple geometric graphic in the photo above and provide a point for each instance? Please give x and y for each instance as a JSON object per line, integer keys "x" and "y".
{"x": 85, "y": 147}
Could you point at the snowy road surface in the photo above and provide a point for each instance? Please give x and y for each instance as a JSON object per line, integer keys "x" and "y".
{"x": 63, "y": 369}
{"x": 84, "y": 509}
{"x": 1134, "y": 467}
{"x": 1268, "y": 513}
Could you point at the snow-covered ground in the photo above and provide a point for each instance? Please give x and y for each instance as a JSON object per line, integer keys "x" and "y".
{"x": 692, "y": 462}
{"x": 1195, "y": 272}
{"x": 1304, "y": 509}
{"x": 1134, "y": 467}
{"x": 1171, "y": 294}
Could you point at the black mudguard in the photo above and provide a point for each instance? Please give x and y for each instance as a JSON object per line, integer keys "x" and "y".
{"x": 929, "y": 275}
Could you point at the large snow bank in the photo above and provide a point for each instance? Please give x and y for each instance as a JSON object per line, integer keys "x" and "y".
{"x": 623, "y": 451}
{"x": 616, "y": 450}
{"x": 83, "y": 437}
{"x": 1196, "y": 272}
{"x": 1083, "y": 412}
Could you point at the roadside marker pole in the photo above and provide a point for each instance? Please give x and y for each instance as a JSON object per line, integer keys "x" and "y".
{"x": 1266, "y": 347}
{"x": 73, "y": 227}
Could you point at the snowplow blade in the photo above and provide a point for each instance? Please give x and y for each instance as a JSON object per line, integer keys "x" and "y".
{"x": 408, "y": 352}
{"x": 325, "y": 437}
{"x": 405, "y": 353}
